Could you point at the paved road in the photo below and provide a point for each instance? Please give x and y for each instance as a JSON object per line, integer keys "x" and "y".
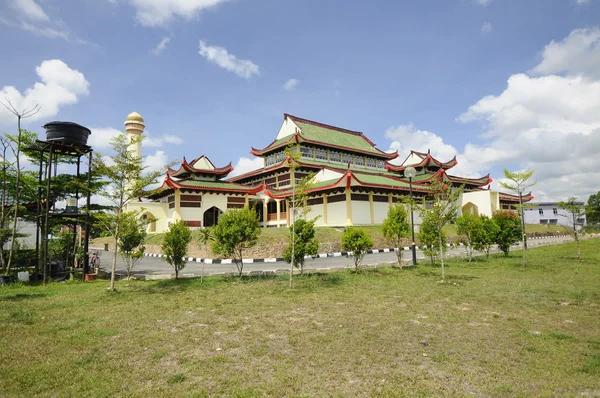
{"x": 156, "y": 268}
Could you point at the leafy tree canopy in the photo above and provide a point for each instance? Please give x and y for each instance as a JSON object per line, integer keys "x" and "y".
{"x": 237, "y": 230}
{"x": 175, "y": 245}
{"x": 358, "y": 242}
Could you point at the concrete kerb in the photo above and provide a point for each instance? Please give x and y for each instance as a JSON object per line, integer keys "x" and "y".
{"x": 321, "y": 255}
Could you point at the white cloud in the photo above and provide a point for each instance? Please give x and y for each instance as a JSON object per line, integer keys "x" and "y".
{"x": 245, "y": 165}
{"x": 407, "y": 137}
{"x": 101, "y": 137}
{"x": 60, "y": 85}
{"x": 150, "y": 141}
{"x": 483, "y": 2}
{"x": 583, "y": 2}
{"x": 30, "y": 9}
{"x": 45, "y": 31}
{"x": 471, "y": 163}
{"x": 578, "y": 53}
{"x": 161, "y": 46}
{"x": 548, "y": 123}
{"x": 32, "y": 18}
{"x": 291, "y": 84}
{"x": 156, "y": 13}
{"x": 172, "y": 139}
{"x": 156, "y": 162}
{"x": 486, "y": 27}
{"x": 219, "y": 56}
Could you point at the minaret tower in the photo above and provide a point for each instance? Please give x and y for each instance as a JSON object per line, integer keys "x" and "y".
{"x": 134, "y": 127}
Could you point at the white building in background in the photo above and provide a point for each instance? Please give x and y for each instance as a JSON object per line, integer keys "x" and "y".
{"x": 550, "y": 213}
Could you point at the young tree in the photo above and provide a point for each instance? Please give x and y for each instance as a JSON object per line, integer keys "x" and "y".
{"x": 509, "y": 233}
{"x": 442, "y": 211}
{"x": 126, "y": 181}
{"x": 430, "y": 240}
{"x": 485, "y": 237}
{"x": 358, "y": 242}
{"x": 518, "y": 183}
{"x": 297, "y": 202}
{"x": 26, "y": 190}
{"x": 175, "y": 245}
{"x": 5, "y": 231}
{"x": 467, "y": 226}
{"x": 396, "y": 227}
{"x": 205, "y": 236}
{"x": 22, "y": 114}
{"x": 592, "y": 209}
{"x": 237, "y": 230}
{"x": 131, "y": 240}
{"x": 575, "y": 229}
{"x": 302, "y": 243}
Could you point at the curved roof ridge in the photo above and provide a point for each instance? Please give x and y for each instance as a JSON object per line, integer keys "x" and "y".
{"x": 319, "y": 124}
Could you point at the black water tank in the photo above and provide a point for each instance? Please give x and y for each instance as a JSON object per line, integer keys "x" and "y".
{"x": 67, "y": 133}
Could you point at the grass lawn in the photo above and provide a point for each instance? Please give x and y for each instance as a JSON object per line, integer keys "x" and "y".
{"x": 494, "y": 329}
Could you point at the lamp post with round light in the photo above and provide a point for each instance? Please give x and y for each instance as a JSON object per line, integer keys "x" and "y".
{"x": 410, "y": 172}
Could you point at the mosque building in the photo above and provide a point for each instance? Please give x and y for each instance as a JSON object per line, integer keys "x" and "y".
{"x": 354, "y": 182}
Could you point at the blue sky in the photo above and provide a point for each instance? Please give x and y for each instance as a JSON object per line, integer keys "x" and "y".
{"x": 499, "y": 83}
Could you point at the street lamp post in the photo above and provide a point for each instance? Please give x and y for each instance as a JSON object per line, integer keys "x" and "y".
{"x": 410, "y": 172}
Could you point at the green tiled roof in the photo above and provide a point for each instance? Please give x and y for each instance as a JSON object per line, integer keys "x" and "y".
{"x": 422, "y": 177}
{"x": 212, "y": 184}
{"x": 344, "y": 167}
{"x": 380, "y": 180}
{"x": 335, "y": 137}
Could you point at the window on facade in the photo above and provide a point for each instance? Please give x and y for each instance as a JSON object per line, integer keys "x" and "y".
{"x": 381, "y": 164}
{"x": 359, "y": 161}
{"x": 280, "y": 157}
{"x": 346, "y": 158}
{"x": 306, "y": 152}
{"x": 371, "y": 162}
{"x": 335, "y": 156}
{"x": 555, "y": 211}
{"x": 541, "y": 211}
{"x": 321, "y": 154}
{"x": 270, "y": 160}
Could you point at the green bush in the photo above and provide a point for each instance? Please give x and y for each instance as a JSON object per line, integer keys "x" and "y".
{"x": 509, "y": 232}
{"x": 237, "y": 230}
{"x": 358, "y": 242}
{"x": 429, "y": 237}
{"x": 305, "y": 243}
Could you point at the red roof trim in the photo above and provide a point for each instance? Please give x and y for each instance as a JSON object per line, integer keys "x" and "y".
{"x": 507, "y": 197}
{"x": 187, "y": 167}
{"x": 426, "y": 160}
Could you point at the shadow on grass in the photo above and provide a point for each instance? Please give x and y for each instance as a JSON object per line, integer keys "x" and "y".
{"x": 183, "y": 284}
{"x": 23, "y": 296}
{"x": 322, "y": 279}
{"x": 461, "y": 277}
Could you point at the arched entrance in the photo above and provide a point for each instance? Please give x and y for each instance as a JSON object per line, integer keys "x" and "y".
{"x": 470, "y": 208}
{"x": 211, "y": 216}
{"x": 150, "y": 221}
